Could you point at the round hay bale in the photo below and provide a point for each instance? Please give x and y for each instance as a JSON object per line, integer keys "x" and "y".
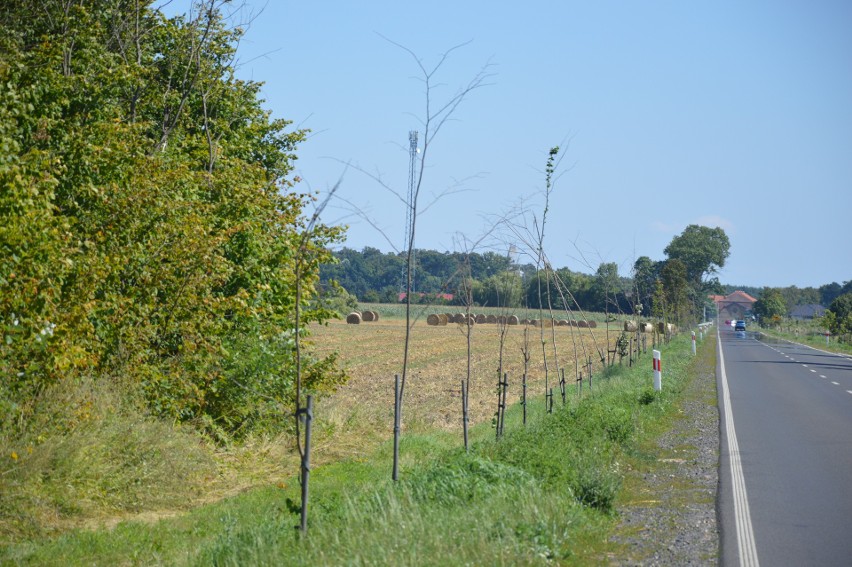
{"x": 512, "y": 320}
{"x": 480, "y": 319}
{"x": 573, "y": 322}
{"x": 367, "y": 316}
{"x": 433, "y": 320}
{"x": 353, "y": 318}
{"x": 646, "y": 327}
{"x": 562, "y": 323}
{"x": 375, "y": 315}
{"x": 630, "y": 326}
{"x": 491, "y": 319}
{"x": 458, "y": 318}
{"x": 583, "y": 324}
{"x": 526, "y": 322}
{"x": 442, "y": 318}
{"x": 593, "y": 324}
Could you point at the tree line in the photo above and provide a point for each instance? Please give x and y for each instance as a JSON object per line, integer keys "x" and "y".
{"x": 676, "y": 288}
{"x": 494, "y": 280}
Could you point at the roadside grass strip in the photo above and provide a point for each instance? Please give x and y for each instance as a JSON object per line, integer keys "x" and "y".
{"x": 544, "y": 493}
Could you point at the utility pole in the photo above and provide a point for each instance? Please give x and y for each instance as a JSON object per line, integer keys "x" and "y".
{"x": 409, "y": 216}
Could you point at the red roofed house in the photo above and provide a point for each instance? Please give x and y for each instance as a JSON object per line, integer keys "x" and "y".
{"x": 733, "y": 306}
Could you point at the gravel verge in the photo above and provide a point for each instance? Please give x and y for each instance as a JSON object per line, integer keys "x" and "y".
{"x": 674, "y": 520}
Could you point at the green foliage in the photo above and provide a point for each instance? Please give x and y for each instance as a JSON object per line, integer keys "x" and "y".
{"x": 645, "y": 274}
{"x": 770, "y": 305}
{"x": 838, "y": 317}
{"x": 701, "y": 249}
{"x": 671, "y": 298}
{"x": 147, "y": 214}
{"x": 500, "y": 290}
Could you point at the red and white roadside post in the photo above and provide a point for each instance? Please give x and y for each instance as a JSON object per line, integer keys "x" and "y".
{"x": 693, "y": 342}
{"x": 827, "y": 335}
{"x": 658, "y": 372}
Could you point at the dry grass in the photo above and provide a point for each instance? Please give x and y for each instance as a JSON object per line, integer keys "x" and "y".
{"x": 362, "y": 410}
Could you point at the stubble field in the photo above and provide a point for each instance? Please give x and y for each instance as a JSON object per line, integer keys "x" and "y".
{"x": 372, "y": 353}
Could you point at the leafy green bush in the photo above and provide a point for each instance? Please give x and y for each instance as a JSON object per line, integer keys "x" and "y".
{"x": 141, "y": 234}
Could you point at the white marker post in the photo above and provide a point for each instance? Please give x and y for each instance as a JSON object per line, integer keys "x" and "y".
{"x": 658, "y": 372}
{"x": 693, "y": 343}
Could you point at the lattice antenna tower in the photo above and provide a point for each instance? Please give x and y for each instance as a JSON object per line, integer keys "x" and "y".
{"x": 409, "y": 214}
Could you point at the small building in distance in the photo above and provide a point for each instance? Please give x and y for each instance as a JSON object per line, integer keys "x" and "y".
{"x": 807, "y": 312}
{"x": 734, "y": 306}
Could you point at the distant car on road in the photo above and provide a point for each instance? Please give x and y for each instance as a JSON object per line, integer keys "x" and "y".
{"x": 740, "y": 326}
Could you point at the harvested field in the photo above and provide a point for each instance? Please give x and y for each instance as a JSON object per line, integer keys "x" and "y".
{"x": 372, "y": 354}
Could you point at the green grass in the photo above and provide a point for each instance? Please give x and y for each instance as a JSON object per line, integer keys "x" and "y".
{"x": 809, "y": 334}
{"x": 543, "y": 493}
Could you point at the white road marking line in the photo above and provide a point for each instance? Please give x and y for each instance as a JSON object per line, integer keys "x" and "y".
{"x": 812, "y": 370}
{"x": 745, "y": 532}
{"x": 822, "y": 375}
{"x": 849, "y": 391}
{"x": 836, "y": 383}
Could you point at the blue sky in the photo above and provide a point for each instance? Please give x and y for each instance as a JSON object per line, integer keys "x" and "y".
{"x": 730, "y": 114}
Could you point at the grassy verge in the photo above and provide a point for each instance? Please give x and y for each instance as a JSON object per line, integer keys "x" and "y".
{"x": 545, "y": 492}
{"x": 810, "y": 338}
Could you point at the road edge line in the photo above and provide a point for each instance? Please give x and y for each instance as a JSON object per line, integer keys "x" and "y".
{"x": 742, "y": 516}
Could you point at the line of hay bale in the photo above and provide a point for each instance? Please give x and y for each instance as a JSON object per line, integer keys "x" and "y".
{"x": 630, "y": 326}
{"x": 663, "y": 328}
{"x": 353, "y": 318}
{"x": 367, "y": 316}
{"x": 437, "y": 319}
{"x": 441, "y": 319}
{"x": 646, "y": 328}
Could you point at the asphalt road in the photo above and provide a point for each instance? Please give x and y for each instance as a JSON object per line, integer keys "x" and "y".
{"x": 785, "y": 494}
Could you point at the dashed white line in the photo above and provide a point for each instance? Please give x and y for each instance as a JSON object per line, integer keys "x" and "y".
{"x": 812, "y": 370}
{"x": 836, "y": 383}
{"x": 822, "y": 375}
{"x": 849, "y": 391}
